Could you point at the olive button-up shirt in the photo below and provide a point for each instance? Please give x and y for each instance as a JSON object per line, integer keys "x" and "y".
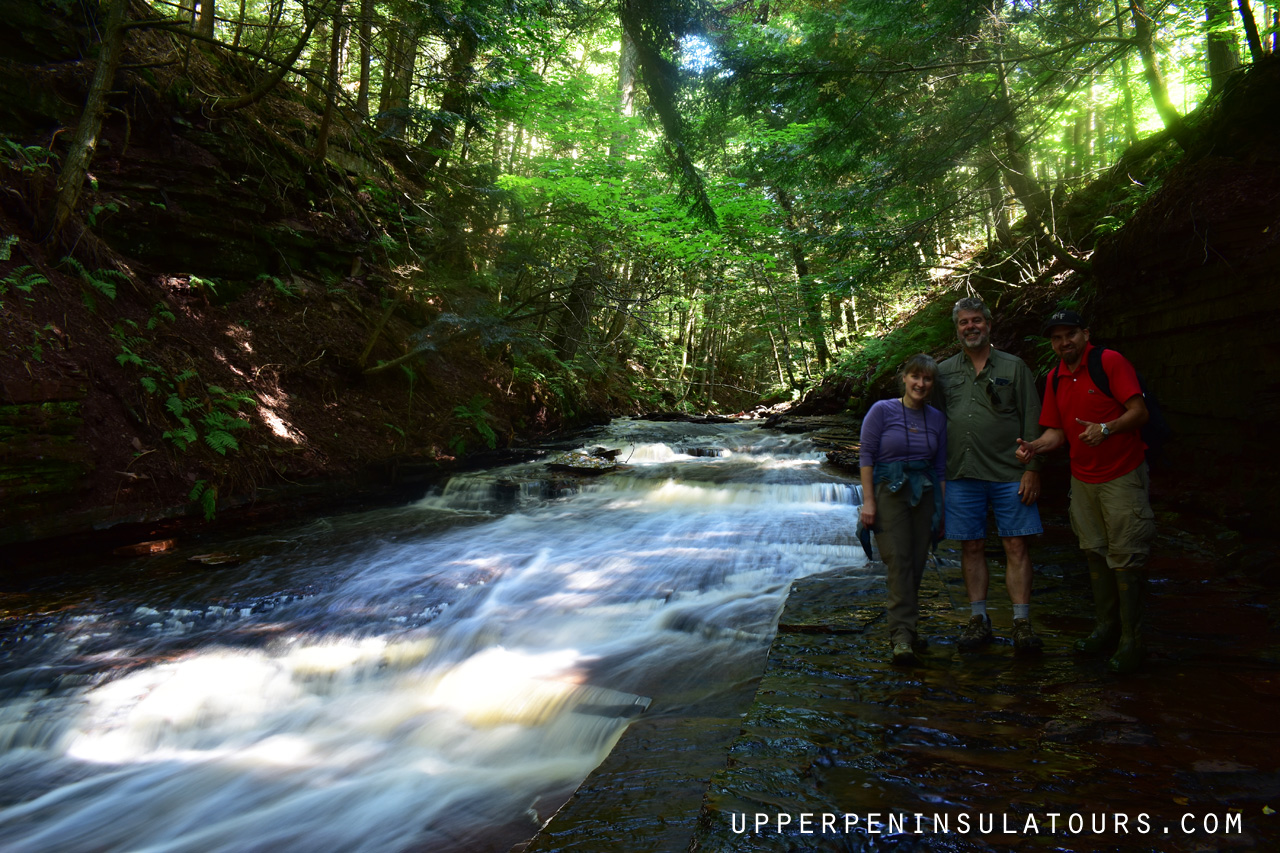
{"x": 986, "y": 413}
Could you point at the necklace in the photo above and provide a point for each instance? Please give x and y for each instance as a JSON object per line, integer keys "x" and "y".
{"x": 912, "y": 423}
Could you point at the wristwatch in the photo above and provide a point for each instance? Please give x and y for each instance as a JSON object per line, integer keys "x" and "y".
{"x": 1106, "y": 430}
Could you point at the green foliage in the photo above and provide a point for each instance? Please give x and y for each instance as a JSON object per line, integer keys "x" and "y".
{"x": 160, "y": 314}
{"x": 206, "y": 495}
{"x": 834, "y": 155}
{"x": 279, "y": 285}
{"x": 38, "y": 341}
{"x": 102, "y": 281}
{"x": 27, "y": 159}
{"x": 204, "y": 284}
{"x": 211, "y": 415}
{"x": 22, "y": 279}
{"x": 98, "y": 209}
{"x": 878, "y": 357}
{"x": 473, "y": 415}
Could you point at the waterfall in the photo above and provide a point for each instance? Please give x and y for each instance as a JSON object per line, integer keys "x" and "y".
{"x": 410, "y": 678}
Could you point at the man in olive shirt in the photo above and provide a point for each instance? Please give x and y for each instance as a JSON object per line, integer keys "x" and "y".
{"x": 990, "y": 400}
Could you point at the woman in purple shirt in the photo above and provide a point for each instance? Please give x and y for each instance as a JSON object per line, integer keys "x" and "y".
{"x": 903, "y": 462}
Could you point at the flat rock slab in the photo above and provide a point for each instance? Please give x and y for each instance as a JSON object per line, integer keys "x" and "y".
{"x": 973, "y": 751}
{"x": 987, "y": 751}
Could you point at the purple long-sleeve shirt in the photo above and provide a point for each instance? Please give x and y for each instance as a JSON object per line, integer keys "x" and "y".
{"x": 887, "y": 436}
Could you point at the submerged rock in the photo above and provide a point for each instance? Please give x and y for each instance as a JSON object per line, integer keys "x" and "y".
{"x": 216, "y": 558}
{"x": 142, "y": 549}
{"x": 580, "y": 463}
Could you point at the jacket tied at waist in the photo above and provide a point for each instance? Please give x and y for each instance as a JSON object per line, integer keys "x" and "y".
{"x": 917, "y": 475}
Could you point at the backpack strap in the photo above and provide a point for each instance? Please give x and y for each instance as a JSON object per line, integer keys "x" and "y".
{"x": 1097, "y": 374}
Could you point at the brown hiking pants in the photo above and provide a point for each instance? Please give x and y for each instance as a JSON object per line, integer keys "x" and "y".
{"x": 903, "y": 540}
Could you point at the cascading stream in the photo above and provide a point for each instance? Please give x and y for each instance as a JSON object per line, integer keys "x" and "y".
{"x": 418, "y": 678}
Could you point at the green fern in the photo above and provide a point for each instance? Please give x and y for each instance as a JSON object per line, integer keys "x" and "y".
{"x": 221, "y": 441}
{"x": 182, "y": 437}
{"x": 160, "y": 313}
{"x": 207, "y": 496}
{"x": 22, "y": 279}
{"x": 474, "y": 414}
{"x": 101, "y": 280}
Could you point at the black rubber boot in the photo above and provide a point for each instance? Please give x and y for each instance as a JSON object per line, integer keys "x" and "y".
{"x": 1129, "y": 654}
{"x": 1105, "y": 605}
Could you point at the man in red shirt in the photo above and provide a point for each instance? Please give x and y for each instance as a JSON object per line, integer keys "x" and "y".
{"x": 1110, "y": 510}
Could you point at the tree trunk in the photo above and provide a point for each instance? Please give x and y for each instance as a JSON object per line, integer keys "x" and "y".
{"x": 386, "y": 93}
{"x": 456, "y": 102}
{"x": 76, "y": 165}
{"x": 1130, "y": 123}
{"x": 574, "y": 321}
{"x": 1017, "y": 167}
{"x": 204, "y": 24}
{"x": 782, "y": 327}
{"x": 273, "y": 26}
{"x": 627, "y": 69}
{"x": 366, "y": 39}
{"x": 812, "y": 300}
{"x": 1250, "y": 30}
{"x": 397, "y": 81}
{"x": 998, "y": 210}
{"x": 1220, "y": 43}
{"x": 316, "y": 64}
{"x": 1169, "y": 114}
{"x": 1020, "y": 172}
{"x": 239, "y": 25}
{"x": 333, "y": 81}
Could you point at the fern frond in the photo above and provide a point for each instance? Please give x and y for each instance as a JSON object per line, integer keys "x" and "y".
{"x": 221, "y": 441}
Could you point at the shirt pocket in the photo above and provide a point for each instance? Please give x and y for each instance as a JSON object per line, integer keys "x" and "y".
{"x": 1003, "y": 396}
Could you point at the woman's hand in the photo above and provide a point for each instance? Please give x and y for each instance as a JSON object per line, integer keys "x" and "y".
{"x": 868, "y": 514}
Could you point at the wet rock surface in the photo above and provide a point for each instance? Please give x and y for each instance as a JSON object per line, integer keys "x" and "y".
{"x": 1183, "y": 756}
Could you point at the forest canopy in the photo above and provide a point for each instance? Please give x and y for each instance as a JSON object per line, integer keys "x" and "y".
{"x": 728, "y": 201}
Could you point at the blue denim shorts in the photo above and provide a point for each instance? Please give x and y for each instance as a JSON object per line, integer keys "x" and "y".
{"x": 967, "y": 501}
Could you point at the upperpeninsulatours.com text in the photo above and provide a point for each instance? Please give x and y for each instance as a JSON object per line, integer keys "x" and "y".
{"x": 985, "y": 823}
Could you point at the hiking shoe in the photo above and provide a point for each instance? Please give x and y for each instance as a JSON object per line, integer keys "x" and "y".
{"x": 919, "y": 645}
{"x": 903, "y": 655}
{"x": 976, "y": 634}
{"x": 1025, "y": 641}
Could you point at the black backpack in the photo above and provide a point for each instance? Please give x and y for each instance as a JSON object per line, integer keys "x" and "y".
{"x": 1156, "y": 432}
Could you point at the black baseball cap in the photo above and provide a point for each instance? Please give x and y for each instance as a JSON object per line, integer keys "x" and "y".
{"x": 1062, "y": 317}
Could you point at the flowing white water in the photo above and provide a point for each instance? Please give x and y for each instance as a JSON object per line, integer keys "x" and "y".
{"x": 403, "y": 680}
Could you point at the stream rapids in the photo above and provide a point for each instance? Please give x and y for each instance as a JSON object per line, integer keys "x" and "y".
{"x": 408, "y": 678}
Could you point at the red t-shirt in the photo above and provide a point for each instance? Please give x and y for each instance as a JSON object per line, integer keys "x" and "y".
{"x": 1077, "y": 397}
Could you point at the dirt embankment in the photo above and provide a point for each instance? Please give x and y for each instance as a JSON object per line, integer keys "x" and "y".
{"x": 204, "y": 340}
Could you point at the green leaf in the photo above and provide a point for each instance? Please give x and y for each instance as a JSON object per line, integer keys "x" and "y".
{"x": 221, "y": 441}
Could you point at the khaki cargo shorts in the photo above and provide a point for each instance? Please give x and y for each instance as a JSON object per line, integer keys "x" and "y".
{"x": 1115, "y": 517}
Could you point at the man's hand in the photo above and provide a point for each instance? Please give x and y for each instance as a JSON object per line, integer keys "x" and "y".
{"x": 1029, "y": 487}
{"x": 1092, "y": 434}
{"x": 1051, "y": 439}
